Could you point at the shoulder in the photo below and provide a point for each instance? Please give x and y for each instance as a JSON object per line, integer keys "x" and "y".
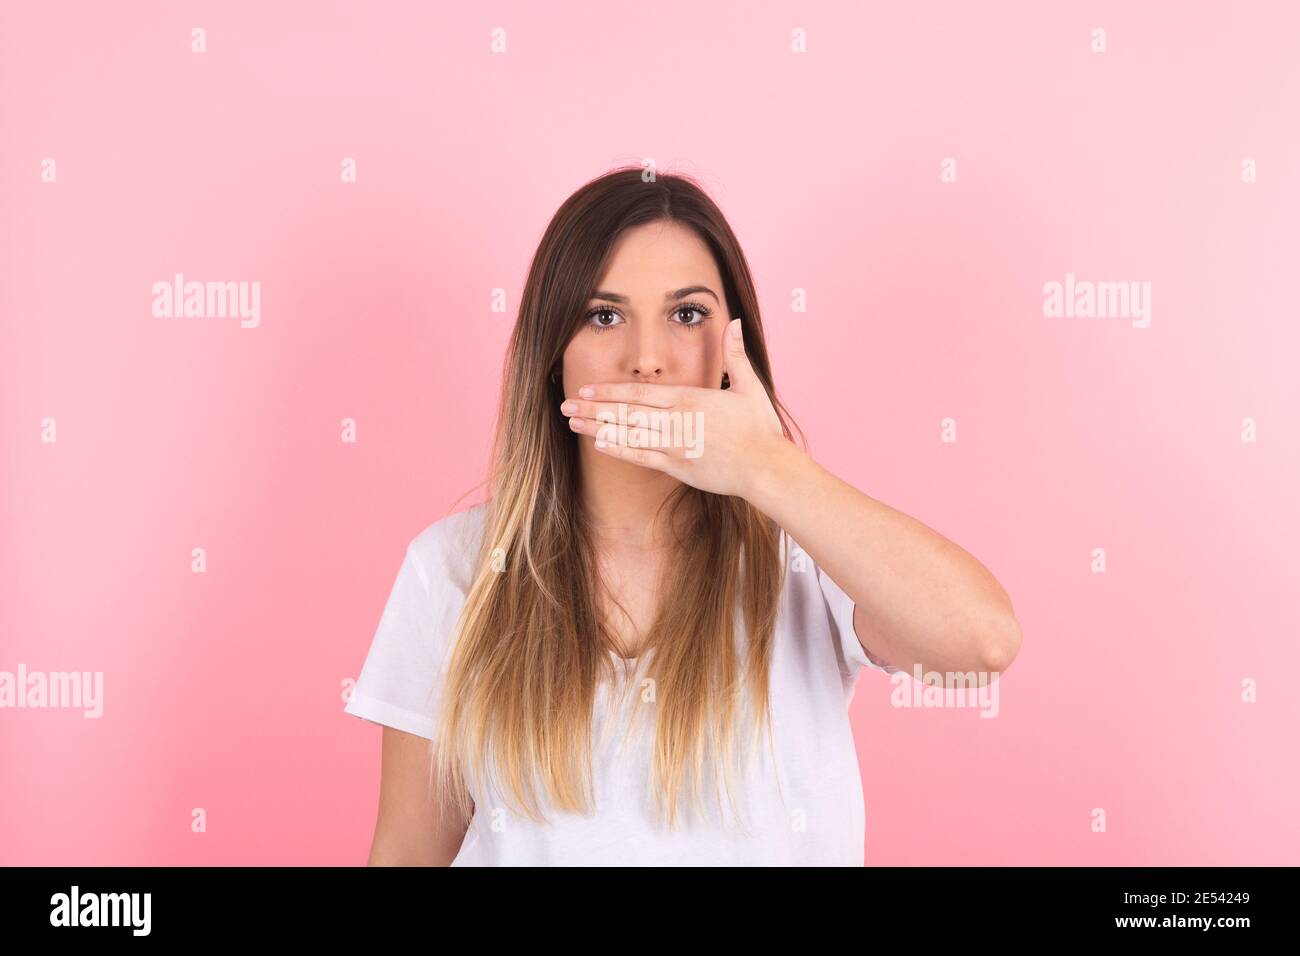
{"x": 446, "y": 549}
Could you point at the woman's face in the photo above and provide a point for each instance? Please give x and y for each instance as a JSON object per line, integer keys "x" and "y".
{"x": 657, "y": 315}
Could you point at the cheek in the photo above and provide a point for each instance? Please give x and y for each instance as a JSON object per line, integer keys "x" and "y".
{"x": 700, "y": 360}
{"x": 584, "y": 358}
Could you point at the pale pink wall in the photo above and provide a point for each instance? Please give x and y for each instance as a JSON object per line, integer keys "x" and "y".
{"x": 222, "y": 690}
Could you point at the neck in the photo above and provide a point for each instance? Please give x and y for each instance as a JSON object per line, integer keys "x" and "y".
{"x": 622, "y": 501}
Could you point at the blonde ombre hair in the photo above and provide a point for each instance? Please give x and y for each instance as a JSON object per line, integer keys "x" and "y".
{"x": 530, "y": 646}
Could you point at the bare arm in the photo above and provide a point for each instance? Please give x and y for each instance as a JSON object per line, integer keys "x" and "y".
{"x": 919, "y": 598}
{"x": 409, "y": 831}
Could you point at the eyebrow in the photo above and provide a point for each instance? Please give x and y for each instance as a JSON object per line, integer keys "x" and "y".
{"x": 668, "y": 296}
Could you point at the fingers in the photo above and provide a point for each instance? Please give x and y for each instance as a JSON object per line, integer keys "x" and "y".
{"x": 612, "y": 411}
{"x": 622, "y": 434}
{"x": 639, "y": 393}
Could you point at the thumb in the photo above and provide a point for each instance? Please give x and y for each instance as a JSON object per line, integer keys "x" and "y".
{"x": 734, "y": 360}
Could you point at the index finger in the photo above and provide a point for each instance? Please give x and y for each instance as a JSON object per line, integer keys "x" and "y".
{"x": 637, "y": 393}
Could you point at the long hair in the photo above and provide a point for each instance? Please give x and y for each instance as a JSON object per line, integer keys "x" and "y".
{"x": 530, "y": 645}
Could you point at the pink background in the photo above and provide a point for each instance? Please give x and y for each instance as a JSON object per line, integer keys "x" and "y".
{"x": 223, "y": 690}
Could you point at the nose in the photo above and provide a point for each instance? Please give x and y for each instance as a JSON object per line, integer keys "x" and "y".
{"x": 647, "y": 362}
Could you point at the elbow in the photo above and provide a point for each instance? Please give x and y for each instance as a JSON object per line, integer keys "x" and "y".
{"x": 1000, "y": 645}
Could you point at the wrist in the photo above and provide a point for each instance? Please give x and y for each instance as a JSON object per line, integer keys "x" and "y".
{"x": 769, "y": 484}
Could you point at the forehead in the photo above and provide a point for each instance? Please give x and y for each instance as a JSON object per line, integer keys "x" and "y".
{"x": 650, "y": 259}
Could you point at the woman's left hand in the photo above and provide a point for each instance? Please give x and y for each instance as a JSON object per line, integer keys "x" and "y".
{"x": 717, "y": 440}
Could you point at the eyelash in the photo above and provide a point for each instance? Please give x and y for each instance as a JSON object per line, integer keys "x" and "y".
{"x": 704, "y": 311}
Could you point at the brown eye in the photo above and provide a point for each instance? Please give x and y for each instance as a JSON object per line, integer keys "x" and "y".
{"x": 595, "y": 314}
{"x": 689, "y": 308}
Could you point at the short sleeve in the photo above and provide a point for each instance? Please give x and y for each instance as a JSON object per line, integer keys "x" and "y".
{"x": 841, "y": 607}
{"x": 401, "y": 679}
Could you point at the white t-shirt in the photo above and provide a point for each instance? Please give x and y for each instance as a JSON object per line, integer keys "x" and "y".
{"x": 815, "y": 664}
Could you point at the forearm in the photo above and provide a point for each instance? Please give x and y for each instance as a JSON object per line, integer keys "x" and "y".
{"x": 927, "y": 600}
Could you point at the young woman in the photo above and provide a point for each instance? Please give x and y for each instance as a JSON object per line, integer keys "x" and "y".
{"x": 623, "y": 656}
